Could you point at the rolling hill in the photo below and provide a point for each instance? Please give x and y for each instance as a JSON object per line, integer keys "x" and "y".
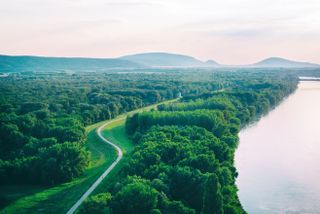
{"x": 281, "y": 62}
{"x": 159, "y": 59}
{"x": 34, "y": 63}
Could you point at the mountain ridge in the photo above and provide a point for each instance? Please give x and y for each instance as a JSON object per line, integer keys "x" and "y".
{"x": 39, "y": 63}
{"x": 282, "y": 62}
{"x": 135, "y": 61}
{"x": 163, "y": 59}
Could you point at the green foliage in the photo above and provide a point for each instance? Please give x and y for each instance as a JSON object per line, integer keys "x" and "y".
{"x": 174, "y": 207}
{"x": 62, "y": 162}
{"x": 97, "y": 204}
{"x": 212, "y": 202}
{"x": 136, "y": 196}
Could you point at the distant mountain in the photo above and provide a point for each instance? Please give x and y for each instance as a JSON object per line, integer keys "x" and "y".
{"x": 34, "y": 63}
{"x": 281, "y": 62}
{"x": 159, "y": 59}
{"x": 136, "y": 61}
{"x": 144, "y": 60}
{"x": 212, "y": 63}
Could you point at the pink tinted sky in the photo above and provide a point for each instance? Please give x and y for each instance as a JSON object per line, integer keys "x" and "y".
{"x": 228, "y": 31}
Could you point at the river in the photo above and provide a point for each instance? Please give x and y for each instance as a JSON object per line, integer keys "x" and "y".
{"x": 278, "y": 158}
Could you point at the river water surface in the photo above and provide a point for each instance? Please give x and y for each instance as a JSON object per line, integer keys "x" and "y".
{"x": 278, "y": 158}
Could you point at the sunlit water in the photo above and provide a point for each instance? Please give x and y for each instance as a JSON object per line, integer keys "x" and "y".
{"x": 278, "y": 158}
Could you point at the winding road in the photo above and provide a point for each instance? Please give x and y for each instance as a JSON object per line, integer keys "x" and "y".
{"x": 105, "y": 173}
{"x": 119, "y": 151}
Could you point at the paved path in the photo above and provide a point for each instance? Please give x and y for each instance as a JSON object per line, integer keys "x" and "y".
{"x": 119, "y": 151}
{"x": 105, "y": 173}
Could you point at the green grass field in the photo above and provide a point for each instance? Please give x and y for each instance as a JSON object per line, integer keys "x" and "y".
{"x": 58, "y": 199}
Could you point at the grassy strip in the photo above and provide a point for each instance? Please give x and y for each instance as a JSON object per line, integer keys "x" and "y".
{"x": 116, "y": 134}
{"x": 58, "y": 199}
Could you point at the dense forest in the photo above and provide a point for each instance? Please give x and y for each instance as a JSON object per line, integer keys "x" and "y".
{"x": 183, "y": 159}
{"x": 43, "y": 118}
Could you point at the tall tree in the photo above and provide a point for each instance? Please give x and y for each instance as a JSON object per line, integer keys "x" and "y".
{"x": 212, "y": 198}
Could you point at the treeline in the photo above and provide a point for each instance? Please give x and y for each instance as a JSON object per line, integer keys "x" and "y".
{"x": 218, "y": 122}
{"x": 183, "y": 161}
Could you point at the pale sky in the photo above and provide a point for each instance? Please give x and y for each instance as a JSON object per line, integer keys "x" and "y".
{"x": 228, "y": 31}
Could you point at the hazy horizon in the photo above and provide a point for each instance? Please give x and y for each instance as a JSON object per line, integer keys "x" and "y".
{"x": 115, "y": 57}
{"x": 230, "y": 32}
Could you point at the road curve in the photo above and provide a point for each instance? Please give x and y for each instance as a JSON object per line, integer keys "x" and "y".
{"x": 119, "y": 151}
{"x": 105, "y": 173}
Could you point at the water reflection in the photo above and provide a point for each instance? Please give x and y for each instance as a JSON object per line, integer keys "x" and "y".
{"x": 278, "y": 158}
